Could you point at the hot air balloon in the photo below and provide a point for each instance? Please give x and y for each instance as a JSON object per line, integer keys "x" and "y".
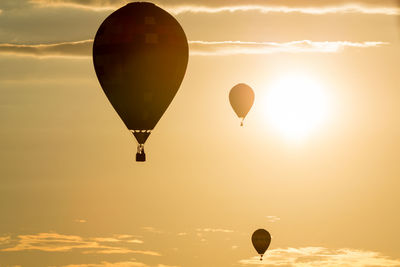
{"x": 261, "y": 240}
{"x": 241, "y": 98}
{"x": 140, "y": 54}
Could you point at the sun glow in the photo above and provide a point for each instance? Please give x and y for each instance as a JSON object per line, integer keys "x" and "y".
{"x": 295, "y": 105}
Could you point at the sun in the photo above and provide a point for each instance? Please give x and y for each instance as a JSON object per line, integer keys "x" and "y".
{"x": 296, "y": 105}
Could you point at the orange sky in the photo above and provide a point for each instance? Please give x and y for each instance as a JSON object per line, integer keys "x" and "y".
{"x": 72, "y": 195}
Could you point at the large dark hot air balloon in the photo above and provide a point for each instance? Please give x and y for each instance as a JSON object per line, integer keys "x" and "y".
{"x": 140, "y": 54}
{"x": 241, "y": 98}
{"x": 261, "y": 240}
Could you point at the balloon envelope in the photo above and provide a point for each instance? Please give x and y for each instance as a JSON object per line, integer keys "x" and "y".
{"x": 140, "y": 54}
{"x": 241, "y": 98}
{"x": 261, "y": 240}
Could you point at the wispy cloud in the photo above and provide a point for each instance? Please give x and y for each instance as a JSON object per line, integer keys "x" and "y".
{"x": 214, "y": 230}
{"x": 82, "y": 49}
{"x": 118, "y": 239}
{"x": 106, "y": 239}
{"x": 5, "y": 239}
{"x": 182, "y": 234}
{"x": 78, "y": 220}
{"x": 65, "y": 49}
{"x": 152, "y": 230}
{"x": 131, "y": 263}
{"x": 136, "y": 241}
{"x": 239, "y": 6}
{"x": 201, "y": 232}
{"x": 272, "y": 218}
{"x": 204, "y": 48}
{"x": 96, "y": 5}
{"x": 319, "y": 256}
{"x": 125, "y": 236}
{"x": 51, "y": 242}
{"x": 54, "y": 242}
{"x": 201, "y": 237}
{"x": 110, "y": 264}
{"x": 119, "y": 250}
{"x": 342, "y": 9}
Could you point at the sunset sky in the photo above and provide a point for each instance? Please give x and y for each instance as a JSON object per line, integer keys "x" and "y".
{"x": 316, "y": 163}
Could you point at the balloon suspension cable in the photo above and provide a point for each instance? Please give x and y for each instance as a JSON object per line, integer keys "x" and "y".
{"x": 241, "y": 122}
{"x": 140, "y": 148}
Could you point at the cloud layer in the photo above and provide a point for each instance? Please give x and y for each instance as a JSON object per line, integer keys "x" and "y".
{"x": 65, "y": 49}
{"x": 197, "y": 48}
{"x": 54, "y": 242}
{"x": 304, "y": 46}
{"x": 273, "y": 218}
{"x": 343, "y": 9}
{"x": 110, "y": 264}
{"x": 5, "y": 240}
{"x": 214, "y": 230}
{"x": 177, "y": 7}
{"x": 131, "y": 263}
{"x": 319, "y": 256}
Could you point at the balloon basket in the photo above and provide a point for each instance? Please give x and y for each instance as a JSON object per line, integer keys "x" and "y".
{"x": 140, "y": 157}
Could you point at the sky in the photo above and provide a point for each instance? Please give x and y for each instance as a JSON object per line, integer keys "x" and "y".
{"x": 316, "y": 162}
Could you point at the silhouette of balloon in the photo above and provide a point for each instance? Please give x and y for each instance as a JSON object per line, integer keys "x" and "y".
{"x": 140, "y": 54}
{"x": 261, "y": 240}
{"x": 241, "y": 98}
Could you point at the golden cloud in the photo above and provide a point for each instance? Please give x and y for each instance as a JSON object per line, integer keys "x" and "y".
{"x": 319, "y": 256}
{"x": 342, "y": 9}
{"x": 5, "y": 239}
{"x": 214, "y": 230}
{"x": 152, "y": 230}
{"x": 178, "y": 7}
{"x": 82, "y": 49}
{"x": 109, "y": 264}
{"x": 130, "y": 263}
{"x": 64, "y": 49}
{"x": 272, "y": 218}
{"x": 54, "y": 242}
{"x": 203, "y": 48}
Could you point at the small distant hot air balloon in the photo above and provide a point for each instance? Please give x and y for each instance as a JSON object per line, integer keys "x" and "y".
{"x": 241, "y": 98}
{"x": 140, "y": 54}
{"x": 261, "y": 240}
